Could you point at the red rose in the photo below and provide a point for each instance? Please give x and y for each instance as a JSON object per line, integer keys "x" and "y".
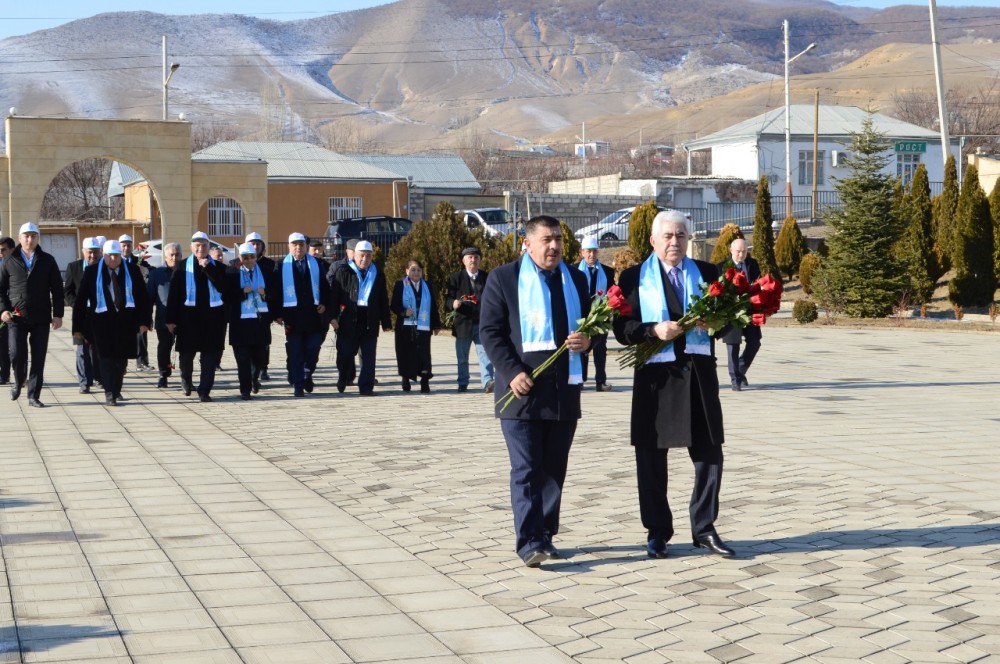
{"x": 730, "y": 274}
{"x": 616, "y": 300}
{"x": 758, "y": 319}
{"x": 758, "y": 300}
{"x": 600, "y": 292}
{"x": 742, "y": 283}
{"x": 625, "y": 309}
{"x": 769, "y": 283}
{"x": 716, "y": 289}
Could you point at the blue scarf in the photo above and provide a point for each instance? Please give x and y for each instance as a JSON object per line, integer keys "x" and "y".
{"x": 653, "y": 302}
{"x": 252, "y": 302}
{"x": 602, "y": 279}
{"x": 422, "y": 317}
{"x": 288, "y": 281}
{"x": 534, "y": 304}
{"x": 214, "y": 297}
{"x": 102, "y": 305}
{"x": 364, "y": 285}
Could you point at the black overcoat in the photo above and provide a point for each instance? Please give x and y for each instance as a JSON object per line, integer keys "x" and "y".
{"x": 113, "y": 331}
{"x": 201, "y": 328}
{"x": 467, "y": 314}
{"x": 413, "y": 346}
{"x": 674, "y": 404}
{"x": 254, "y": 331}
{"x": 36, "y": 293}
{"x": 344, "y": 298}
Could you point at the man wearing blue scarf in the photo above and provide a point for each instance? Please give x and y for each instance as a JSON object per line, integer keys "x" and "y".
{"x": 88, "y": 362}
{"x": 114, "y": 303}
{"x": 362, "y": 300}
{"x": 600, "y": 278}
{"x": 197, "y": 317}
{"x": 675, "y": 398}
{"x": 529, "y": 309}
{"x": 299, "y": 301}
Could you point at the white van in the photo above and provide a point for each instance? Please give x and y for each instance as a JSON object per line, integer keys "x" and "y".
{"x": 495, "y": 222}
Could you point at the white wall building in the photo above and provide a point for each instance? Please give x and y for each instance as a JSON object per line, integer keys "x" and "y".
{"x": 756, "y": 147}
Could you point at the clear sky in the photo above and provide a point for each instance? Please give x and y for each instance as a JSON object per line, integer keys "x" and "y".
{"x": 20, "y": 18}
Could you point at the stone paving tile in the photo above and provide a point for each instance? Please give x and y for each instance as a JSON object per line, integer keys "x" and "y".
{"x": 867, "y": 523}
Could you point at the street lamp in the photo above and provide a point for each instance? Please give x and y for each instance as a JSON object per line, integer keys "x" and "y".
{"x": 788, "y": 126}
{"x": 167, "y": 75}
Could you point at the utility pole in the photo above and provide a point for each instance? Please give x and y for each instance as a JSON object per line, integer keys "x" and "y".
{"x": 939, "y": 81}
{"x": 812, "y": 214}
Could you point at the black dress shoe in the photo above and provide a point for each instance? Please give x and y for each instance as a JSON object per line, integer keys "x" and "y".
{"x": 406, "y": 384}
{"x": 264, "y": 375}
{"x": 743, "y": 382}
{"x": 84, "y": 390}
{"x": 110, "y": 401}
{"x": 299, "y": 392}
{"x": 463, "y": 388}
{"x": 736, "y": 386}
{"x": 425, "y": 387}
{"x": 550, "y": 550}
{"x": 603, "y": 387}
{"x": 489, "y": 386}
{"x": 162, "y": 382}
{"x": 341, "y": 386}
{"x": 656, "y": 548}
{"x": 187, "y": 387}
{"x": 35, "y": 403}
{"x": 204, "y": 398}
{"x": 714, "y": 544}
{"x": 15, "y": 391}
{"x": 256, "y": 387}
{"x": 245, "y": 396}
{"x": 535, "y": 557}
{"x": 308, "y": 384}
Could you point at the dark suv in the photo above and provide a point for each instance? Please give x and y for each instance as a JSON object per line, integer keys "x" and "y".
{"x": 381, "y": 231}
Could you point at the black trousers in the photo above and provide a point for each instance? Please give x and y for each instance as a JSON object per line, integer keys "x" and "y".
{"x": 739, "y": 364}
{"x": 209, "y": 362}
{"x": 654, "y": 508}
{"x": 539, "y": 454}
{"x": 164, "y": 344}
{"x": 4, "y": 355}
{"x": 249, "y": 363}
{"x": 22, "y": 337}
{"x": 142, "y": 350}
{"x": 348, "y": 346}
{"x": 113, "y": 373}
{"x": 599, "y": 349}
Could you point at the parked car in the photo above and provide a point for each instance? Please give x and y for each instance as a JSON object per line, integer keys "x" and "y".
{"x": 152, "y": 251}
{"x": 495, "y": 222}
{"x": 613, "y": 227}
{"x": 381, "y": 231}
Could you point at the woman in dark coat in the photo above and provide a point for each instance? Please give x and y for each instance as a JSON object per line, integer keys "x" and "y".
{"x": 416, "y": 319}
{"x": 249, "y": 320}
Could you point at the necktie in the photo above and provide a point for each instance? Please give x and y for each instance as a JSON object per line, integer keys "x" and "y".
{"x": 593, "y": 280}
{"x": 675, "y": 281}
{"x": 116, "y": 288}
{"x": 300, "y": 265}
{"x": 743, "y": 268}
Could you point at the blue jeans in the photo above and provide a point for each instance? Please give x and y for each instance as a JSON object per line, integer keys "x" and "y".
{"x": 462, "y": 345}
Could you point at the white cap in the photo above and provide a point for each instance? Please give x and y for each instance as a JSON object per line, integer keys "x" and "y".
{"x": 253, "y": 236}
{"x": 29, "y": 227}
{"x": 589, "y": 242}
{"x": 200, "y": 236}
{"x": 364, "y": 245}
{"x": 125, "y": 238}
{"x": 101, "y": 240}
{"x": 91, "y": 243}
{"x": 296, "y": 237}
{"x": 247, "y": 249}
{"x": 112, "y": 247}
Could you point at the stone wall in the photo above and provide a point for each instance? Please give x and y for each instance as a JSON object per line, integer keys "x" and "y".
{"x": 577, "y": 210}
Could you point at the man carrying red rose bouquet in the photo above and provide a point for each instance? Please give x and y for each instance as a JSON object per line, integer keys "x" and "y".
{"x": 675, "y": 400}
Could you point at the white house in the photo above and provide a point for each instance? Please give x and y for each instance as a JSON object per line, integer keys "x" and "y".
{"x": 756, "y": 147}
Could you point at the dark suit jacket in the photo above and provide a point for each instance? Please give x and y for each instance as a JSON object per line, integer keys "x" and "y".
{"x": 680, "y": 399}
{"x": 552, "y": 397}
{"x": 38, "y": 295}
{"x": 609, "y": 272}
{"x": 201, "y": 328}
{"x": 71, "y": 285}
{"x": 158, "y": 287}
{"x": 735, "y": 335}
{"x": 467, "y": 314}
{"x": 113, "y": 330}
{"x": 344, "y": 298}
{"x": 303, "y": 317}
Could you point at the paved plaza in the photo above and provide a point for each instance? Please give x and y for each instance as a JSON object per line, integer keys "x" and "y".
{"x": 861, "y": 493}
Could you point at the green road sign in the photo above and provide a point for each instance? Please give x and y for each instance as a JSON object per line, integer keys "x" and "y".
{"x": 911, "y": 146}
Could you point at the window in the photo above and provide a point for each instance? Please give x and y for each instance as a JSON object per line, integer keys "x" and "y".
{"x": 806, "y": 167}
{"x": 906, "y": 166}
{"x": 344, "y": 207}
{"x": 225, "y": 217}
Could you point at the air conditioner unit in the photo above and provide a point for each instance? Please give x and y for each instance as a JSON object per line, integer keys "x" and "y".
{"x": 837, "y": 158}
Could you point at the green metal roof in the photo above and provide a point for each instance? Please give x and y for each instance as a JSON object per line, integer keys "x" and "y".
{"x": 296, "y": 161}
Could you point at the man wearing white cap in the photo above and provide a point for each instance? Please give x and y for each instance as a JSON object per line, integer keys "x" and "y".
{"x": 31, "y": 298}
{"x": 196, "y": 315}
{"x": 130, "y": 258}
{"x": 600, "y": 278}
{"x": 360, "y": 295}
{"x": 266, "y": 266}
{"x": 114, "y": 301}
{"x": 158, "y": 287}
{"x": 249, "y": 319}
{"x": 88, "y": 368}
{"x": 299, "y": 300}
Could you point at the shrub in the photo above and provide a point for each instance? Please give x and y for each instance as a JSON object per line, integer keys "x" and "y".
{"x": 790, "y": 247}
{"x": 763, "y": 235}
{"x": 805, "y": 311}
{"x": 640, "y": 227}
{"x": 807, "y": 268}
{"x": 728, "y": 233}
{"x": 571, "y": 246}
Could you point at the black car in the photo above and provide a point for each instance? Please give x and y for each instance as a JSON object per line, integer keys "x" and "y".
{"x": 381, "y": 231}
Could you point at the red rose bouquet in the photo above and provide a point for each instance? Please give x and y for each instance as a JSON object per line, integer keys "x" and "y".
{"x": 729, "y": 300}
{"x": 449, "y": 318}
{"x": 603, "y": 309}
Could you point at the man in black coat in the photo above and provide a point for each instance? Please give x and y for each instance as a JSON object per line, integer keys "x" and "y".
{"x": 739, "y": 364}
{"x": 130, "y": 258}
{"x": 599, "y": 277}
{"x": 88, "y": 365}
{"x": 197, "y": 316}
{"x": 31, "y": 299}
{"x": 464, "y": 295}
{"x": 6, "y": 247}
{"x": 266, "y": 266}
{"x": 675, "y": 399}
{"x": 114, "y": 303}
{"x": 540, "y": 296}
{"x": 359, "y": 295}
{"x": 299, "y": 299}
{"x": 158, "y": 287}
{"x": 249, "y": 320}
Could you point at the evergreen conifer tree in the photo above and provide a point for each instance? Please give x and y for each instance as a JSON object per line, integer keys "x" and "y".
{"x": 995, "y": 213}
{"x": 763, "y": 234}
{"x": 975, "y": 276}
{"x": 945, "y": 206}
{"x": 790, "y": 247}
{"x": 720, "y": 251}
{"x": 861, "y": 270}
{"x": 916, "y": 247}
{"x": 640, "y": 226}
